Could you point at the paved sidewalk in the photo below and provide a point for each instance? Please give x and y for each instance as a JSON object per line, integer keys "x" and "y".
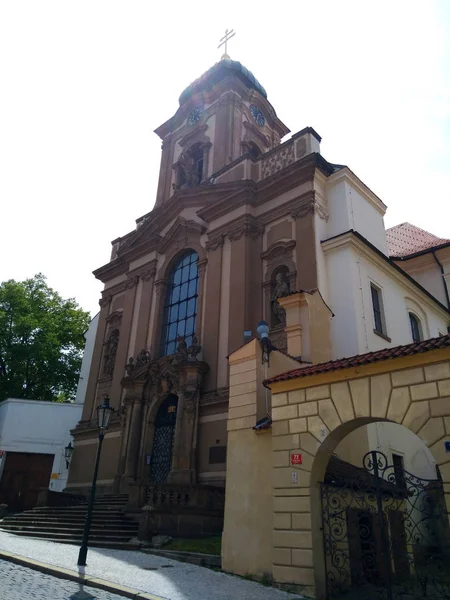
{"x": 168, "y": 579}
{"x": 20, "y": 583}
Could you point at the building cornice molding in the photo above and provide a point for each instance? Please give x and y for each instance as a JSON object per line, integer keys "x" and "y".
{"x": 357, "y": 242}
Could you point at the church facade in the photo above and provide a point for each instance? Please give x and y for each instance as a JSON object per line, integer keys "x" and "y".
{"x": 241, "y": 220}
{"x": 232, "y": 228}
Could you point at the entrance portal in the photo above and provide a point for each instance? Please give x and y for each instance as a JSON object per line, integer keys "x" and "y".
{"x": 161, "y": 459}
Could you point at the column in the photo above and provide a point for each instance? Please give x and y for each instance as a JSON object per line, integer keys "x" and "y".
{"x": 145, "y": 307}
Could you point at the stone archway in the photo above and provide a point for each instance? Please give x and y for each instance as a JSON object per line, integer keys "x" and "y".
{"x": 314, "y": 414}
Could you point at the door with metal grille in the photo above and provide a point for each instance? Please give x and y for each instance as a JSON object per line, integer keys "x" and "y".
{"x": 386, "y": 533}
{"x": 161, "y": 458}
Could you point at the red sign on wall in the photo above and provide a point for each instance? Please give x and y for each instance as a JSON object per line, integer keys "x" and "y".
{"x": 296, "y": 459}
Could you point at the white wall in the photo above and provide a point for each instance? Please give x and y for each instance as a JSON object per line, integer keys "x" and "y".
{"x": 39, "y": 427}
{"x": 351, "y": 206}
{"x": 388, "y": 438}
{"x": 391, "y": 438}
{"x": 89, "y": 336}
{"x": 350, "y": 273}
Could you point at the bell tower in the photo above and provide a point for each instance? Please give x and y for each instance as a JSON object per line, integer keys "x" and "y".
{"x": 222, "y": 116}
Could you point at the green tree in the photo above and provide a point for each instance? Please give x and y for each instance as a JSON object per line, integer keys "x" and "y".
{"x": 41, "y": 341}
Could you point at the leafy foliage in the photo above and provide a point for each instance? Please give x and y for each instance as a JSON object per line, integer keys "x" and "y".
{"x": 41, "y": 341}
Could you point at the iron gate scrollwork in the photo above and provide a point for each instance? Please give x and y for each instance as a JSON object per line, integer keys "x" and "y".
{"x": 161, "y": 458}
{"x": 386, "y": 532}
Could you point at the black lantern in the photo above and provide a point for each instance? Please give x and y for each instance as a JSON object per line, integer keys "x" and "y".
{"x": 68, "y": 450}
{"x": 104, "y": 412}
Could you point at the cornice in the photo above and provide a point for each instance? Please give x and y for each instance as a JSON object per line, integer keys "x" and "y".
{"x": 351, "y": 239}
{"x": 113, "y": 269}
{"x": 239, "y": 194}
{"x": 145, "y": 272}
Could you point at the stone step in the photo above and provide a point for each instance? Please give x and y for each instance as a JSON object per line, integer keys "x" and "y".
{"x": 97, "y": 544}
{"x": 64, "y": 518}
{"x": 70, "y": 535}
{"x": 65, "y": 531}
{"x": 61, "y": 526}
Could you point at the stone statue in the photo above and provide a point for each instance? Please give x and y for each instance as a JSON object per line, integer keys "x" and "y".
{"x": 143, "y": 358}
{"x": 111, "y": 351}
{"x": 193, "y": 349}
{"x": 181, "y": 353}
{"x": 280, "y": 290}
{"x": 129, "y": 367}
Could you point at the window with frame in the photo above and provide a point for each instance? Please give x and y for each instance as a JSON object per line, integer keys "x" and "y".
{"x": 180, "y": 308}
{"x": 416, "y": 330}
{"x": 377, "y": 305}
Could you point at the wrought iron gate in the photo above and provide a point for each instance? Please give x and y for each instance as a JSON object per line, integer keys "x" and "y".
{"x": 386, "y": 533}
{"x": 161, "y": 459}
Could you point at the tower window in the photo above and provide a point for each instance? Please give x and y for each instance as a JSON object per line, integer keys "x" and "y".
{"x": 415, "y": 328}
{"x": 180, "y": 309}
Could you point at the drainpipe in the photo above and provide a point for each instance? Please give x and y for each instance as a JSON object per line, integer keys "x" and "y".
{"x": 443, "y": 278}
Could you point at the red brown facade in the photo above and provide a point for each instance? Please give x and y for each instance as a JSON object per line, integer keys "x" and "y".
{"x": 232, "y": 230}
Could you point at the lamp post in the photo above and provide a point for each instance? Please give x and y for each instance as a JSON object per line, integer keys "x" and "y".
{"x": 68, "y": 450}
{"x": 104, "y": 412}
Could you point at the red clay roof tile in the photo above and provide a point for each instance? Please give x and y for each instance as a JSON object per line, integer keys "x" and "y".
{"x": 406, "y": 239}
{"x": 364, "y": 359}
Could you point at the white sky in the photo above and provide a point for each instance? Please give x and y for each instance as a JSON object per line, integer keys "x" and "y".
{"x": 84, "y": 84}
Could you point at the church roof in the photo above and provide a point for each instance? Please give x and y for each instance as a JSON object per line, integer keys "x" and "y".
{"x": 406, "y": 239}
{"x": 219, "y": 71}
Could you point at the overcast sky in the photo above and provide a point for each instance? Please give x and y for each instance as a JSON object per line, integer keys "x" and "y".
{"x": 84, "y": 84}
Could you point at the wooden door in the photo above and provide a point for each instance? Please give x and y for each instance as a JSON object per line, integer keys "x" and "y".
{"x": 24, "y": 475}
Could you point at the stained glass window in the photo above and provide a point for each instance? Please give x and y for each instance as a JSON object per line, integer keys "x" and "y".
{"x": 180, "y": 309}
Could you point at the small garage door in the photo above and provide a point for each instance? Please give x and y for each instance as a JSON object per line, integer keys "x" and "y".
{"x": 24, "y": 475}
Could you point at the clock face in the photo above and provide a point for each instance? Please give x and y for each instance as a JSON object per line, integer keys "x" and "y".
{"x": 195, "y": 115}
{"x": 257, "y": 115}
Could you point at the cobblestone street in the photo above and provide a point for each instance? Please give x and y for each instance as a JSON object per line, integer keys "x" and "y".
{"x": 19, "y": 583}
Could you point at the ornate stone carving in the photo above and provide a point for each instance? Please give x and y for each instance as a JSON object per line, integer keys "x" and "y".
{"x": 302, "y": 210}
{"x": 181, "y": 353}
{"x": 191, "y": 401}
{"x": 247, "y": 228}
{"x": 280, "y": 290}
{"x": 278, "y": 160}
{"x": 110, "y": 352}
{"x": 130, "y": 366}
{"x": 105, "y": 300}
{"x": 215, "y": 242}
{"x": 194, "y": 350}
{"x": 143, "y": 358}
{"x": 132, "y": 281}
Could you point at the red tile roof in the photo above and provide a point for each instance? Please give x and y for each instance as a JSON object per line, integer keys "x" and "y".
{"x": 406, "y": 239}
{"x": 364, "y": 359}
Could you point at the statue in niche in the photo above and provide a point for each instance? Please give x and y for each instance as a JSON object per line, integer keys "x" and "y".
{"x": 281, "y": 289}
{"x": 110, "y": 353}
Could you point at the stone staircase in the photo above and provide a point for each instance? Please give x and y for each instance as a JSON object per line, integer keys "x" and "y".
{"x": 110, "y": 527}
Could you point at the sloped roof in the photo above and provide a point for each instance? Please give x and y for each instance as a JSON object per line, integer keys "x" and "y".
{"x": 364, "y": 359}
{"x": 406, "y": 239}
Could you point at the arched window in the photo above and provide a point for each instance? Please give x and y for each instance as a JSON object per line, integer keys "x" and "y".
{"x": 415, "y": 328}
{"x": 180, "y": 309}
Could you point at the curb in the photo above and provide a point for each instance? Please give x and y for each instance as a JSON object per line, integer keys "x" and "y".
{"x": 62, "y": 573}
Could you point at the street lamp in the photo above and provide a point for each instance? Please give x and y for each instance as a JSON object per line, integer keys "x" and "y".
{"x": 104, "y": 413}
{"x": 68, "y": 450}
